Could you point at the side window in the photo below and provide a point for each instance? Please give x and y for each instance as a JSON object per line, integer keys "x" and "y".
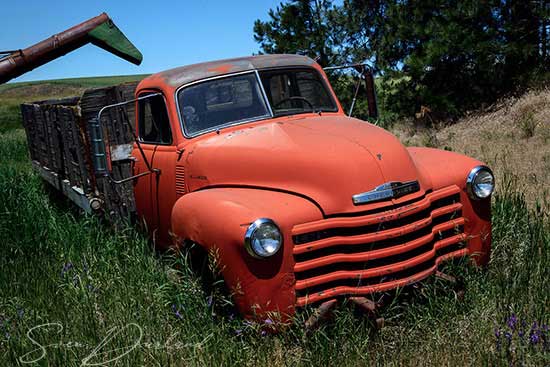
{"x": 154, "y": 125}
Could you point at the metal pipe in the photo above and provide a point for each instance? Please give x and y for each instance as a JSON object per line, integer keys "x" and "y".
{"x": 329, "y": 68}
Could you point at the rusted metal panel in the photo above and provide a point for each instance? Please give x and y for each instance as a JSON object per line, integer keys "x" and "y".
{"x": 121, "y": 152}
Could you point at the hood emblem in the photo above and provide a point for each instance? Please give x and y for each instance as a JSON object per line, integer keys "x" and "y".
{"x": 387, "y": 190}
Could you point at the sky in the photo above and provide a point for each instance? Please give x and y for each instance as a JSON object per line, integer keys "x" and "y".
{"x": 168, "y": 33}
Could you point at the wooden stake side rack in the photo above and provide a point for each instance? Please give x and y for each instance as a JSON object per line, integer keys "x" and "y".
{"x": 59, "y": 140}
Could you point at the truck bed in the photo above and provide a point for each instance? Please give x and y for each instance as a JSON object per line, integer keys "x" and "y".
{"x": 58, "y": 135}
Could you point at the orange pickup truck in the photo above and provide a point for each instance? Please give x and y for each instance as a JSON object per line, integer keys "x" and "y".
{"x": 255, "y": 160}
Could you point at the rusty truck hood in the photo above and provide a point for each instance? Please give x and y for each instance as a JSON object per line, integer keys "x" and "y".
{"x": 325, "y": 158}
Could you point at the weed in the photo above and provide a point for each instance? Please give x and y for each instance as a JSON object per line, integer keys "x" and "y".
{"x": 527, "y": 124}
{"x": 429, "y": 139}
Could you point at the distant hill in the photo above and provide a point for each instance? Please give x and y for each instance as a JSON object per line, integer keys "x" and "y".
{"x": 13, "y": 94}
{"x": 91, "y": 81}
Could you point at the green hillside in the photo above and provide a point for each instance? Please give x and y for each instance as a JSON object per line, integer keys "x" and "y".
{"x": 13, "y": 94}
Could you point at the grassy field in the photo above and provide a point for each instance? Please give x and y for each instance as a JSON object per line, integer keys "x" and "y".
{"x": 74, "y": 292}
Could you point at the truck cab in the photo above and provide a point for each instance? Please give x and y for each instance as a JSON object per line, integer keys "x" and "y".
{"x": 256, "y": 161}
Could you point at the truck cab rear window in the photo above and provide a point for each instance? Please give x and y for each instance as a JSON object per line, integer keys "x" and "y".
{"x": 154, "y": 125}
{"x": 221, "y": 102}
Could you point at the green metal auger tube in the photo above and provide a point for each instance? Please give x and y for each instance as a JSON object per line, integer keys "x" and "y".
{"x": 99, "y": 31}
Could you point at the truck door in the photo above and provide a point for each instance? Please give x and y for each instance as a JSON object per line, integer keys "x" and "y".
{"x": 155, "y": 193}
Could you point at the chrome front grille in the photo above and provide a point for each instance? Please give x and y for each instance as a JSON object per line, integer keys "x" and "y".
{"x": 379, "y": 251}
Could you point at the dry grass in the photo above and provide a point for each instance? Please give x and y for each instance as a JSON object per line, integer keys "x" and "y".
{"x": 514, "y": 139}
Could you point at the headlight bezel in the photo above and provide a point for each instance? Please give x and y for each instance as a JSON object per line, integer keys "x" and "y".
{"x": 251, "y": 230}
{"x": 470, "y": 182}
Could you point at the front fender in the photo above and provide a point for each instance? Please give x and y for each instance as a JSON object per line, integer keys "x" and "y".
{"x": 218, "y": 218}
{"x": 443, "y": 168}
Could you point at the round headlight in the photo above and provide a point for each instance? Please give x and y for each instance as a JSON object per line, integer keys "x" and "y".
{"x": 263, "y": 238}
{"x": 480, "y": 183}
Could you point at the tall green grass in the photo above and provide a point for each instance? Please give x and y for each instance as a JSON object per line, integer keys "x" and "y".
{"x": 62, "y": 268}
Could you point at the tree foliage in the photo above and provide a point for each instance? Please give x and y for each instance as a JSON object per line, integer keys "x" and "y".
{"x": 432, "y": 55}
{"x": 304, "y": 26}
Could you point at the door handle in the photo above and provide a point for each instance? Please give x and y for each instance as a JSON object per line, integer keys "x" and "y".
{"x": 180, "y": 153}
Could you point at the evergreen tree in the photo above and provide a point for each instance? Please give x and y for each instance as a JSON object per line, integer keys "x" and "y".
{"x": 303, "y": 27}
{"x": 439, "y": 55}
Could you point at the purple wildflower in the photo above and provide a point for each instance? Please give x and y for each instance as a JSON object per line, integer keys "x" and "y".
{"x": 512, "y": 322}
{"x": 497, "y": 336}
{"x": 209, "y": 301}
{"x": 534, "y": 338}
{"x": 66, "y": 267}
{"x": 263, "y": 333}
{"x": 176, "y": 311}
{"x": 238, "y": 332}
{"x": 508, "y": 336}
{"x": 268, "y": 321}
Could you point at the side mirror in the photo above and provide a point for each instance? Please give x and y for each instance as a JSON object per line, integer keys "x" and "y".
{"x": 365, "y": 73}
{"x": 102, "y": 158}
{"x": 371, "y": 95}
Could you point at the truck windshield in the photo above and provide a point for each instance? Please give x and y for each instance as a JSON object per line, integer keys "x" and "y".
{"x": 292, "y": 91}
{"x": 221, "y": 102}
{"x": 236, "y": 99}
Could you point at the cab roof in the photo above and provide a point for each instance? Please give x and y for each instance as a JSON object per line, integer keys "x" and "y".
{"x": 190, "y": 73}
